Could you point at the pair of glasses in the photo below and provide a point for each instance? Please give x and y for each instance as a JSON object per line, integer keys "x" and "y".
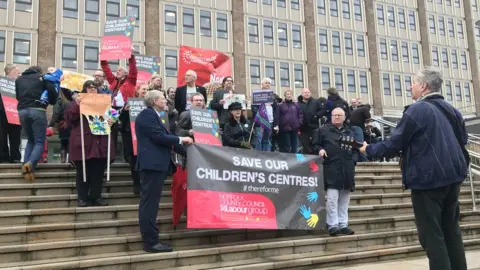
{"x": 337, "y": 115}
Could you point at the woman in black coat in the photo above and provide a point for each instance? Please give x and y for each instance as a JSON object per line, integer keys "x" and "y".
{"x": 236, "y": 132}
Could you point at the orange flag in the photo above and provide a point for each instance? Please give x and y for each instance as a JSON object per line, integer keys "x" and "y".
{"x": 94, "y": 104}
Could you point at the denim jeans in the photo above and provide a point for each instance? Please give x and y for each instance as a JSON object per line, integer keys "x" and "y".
{"x": 358, "y": 134}
{"x": 34, "y": 124}
{"x": 263, "y": 142}
{"x": 288, "y": 141}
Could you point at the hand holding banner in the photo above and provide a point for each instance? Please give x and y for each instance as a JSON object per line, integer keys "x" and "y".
{"x": 205, "y": 126}
{"x": 10, "y": 103}
{"x": 117, "y": 40}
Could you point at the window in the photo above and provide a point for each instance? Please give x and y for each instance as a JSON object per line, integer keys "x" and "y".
{"x": 92, "y": 10}
{"x": 91, "y": 55}
{"x": 298, "y": 71}
{"x": 445, "y": 57}
{"x": 383, "y": 49}
{"x": 391, "y": 16}
{"x": 113, "y": 9}
{"x": 69, "y": 53}
{"x": 253, "y": 1}
{"x": 397, "y": 84}
{"x": 435, "y": 56}
{"x": 322, "y": 35}
{"x": 380, "y": 15}
{"x": 386, "y": 85}
{"x": 457, "y": 3}
{"x": 351, "y": 81}
{"x": 448, "y": 2}
{"x": 321, "y": 7}
{"x": 171, "y": 63}
{"x": 405, "y": 55}
{"x": 254, "y": 71}
{"x": 170, "y": 18}
{"x": 439, "y": 1}
{"x": 21, "y": 48}
{"x": 188, "y": 21}
{"x": 348, "y": 43}
{"x": 408, "y": 85}
{"x": 297, "y": 36}
{"x": 2, "y": 45}
{"x": 451, "y": 28}
{"x": 474, "y": 5}
{"x": 114, "y": 64}
{"x": 325, "y": 78}
{"x": 441, "y": 25}
{"x": 23, "y": 5}
{"x": 295, "y": 4}
{"x": 431, "y": 23}
{"x": 205, "y": 23}
{"x": 357, "y": 8}
{"x": 339, "y": 79}
{"x": 336, "y": 42}
{"x": 267, "y": 2}
{"x": 346, "y": 9}
{"x": 448, "y": 88}
{"x": 3, "y": 5}
{"x": 466, "y": 91}
{"x": 454, "y": 59}
{"x": 477, "y": 30}
{"x": 363, "y": 82}
{"x": 270, "y": 70}
{"x": 458, "y": 91}
{"x": 268, "y": 32}
{"x": 411, "y": 20}
{"x": 394, "y": 50}
{"x": 333, "y": 8}
{"x": 281, "y": 3}
{"x": 70, "y": 8}
{"x": 282, "y": 35}
{"x": 460, "y": 29}
{"x": 253, "y": 30}
{"x": 401, "y": 18}
{"x": 360, "y": 45}
{"x": 463, "y": 60}
{"x": 222, "y": 26}
{"x": 415, "y": 54}
{"x": 284, "y": 74}
{"x": 133, "y": 9}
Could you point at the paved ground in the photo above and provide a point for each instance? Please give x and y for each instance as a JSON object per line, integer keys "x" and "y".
{"x": 473, "y": 258}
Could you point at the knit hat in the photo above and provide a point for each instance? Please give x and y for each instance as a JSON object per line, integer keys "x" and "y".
{"x": 234, "y": 106}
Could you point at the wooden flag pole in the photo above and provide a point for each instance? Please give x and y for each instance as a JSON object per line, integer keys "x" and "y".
{"x": 83, "y": 149}
{"x": 108, "y": 154}
{"x": 251, "y": 132}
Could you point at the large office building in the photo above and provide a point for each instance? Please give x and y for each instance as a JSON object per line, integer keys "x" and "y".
{"x": 365, "y": 48}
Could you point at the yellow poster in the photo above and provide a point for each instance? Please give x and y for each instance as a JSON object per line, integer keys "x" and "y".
{"x": 74, "y": 81}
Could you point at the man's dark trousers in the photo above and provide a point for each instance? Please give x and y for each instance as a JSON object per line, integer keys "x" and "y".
{"x": 437, "y": 213}
{"x": 9, "y": 133}
{"x": 152, "y": 185}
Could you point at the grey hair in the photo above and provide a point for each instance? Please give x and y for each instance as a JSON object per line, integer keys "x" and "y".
{"x": 266, "y": 80}
{"x": 151, "y": 96}
{"x": 9, "y": 67}
{"x": 191, "y": 72}
{"x": 432, "y": 77}
{"x": 197, "y": 95}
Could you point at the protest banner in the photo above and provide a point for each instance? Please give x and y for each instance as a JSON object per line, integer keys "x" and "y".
{"x": 136, "y": 106}
{"x": 205, "y": 126}
{"x": 262, "y": 96}
{"x": 74, "y": 81}
{"x": 9, "y": 99}
{"x": 146, "y": 66}
{"x": 117, "y": 40}
{"x": 231, "y": 98}
{"x": 245, "y": 189}
{"x": 210, "y": 66}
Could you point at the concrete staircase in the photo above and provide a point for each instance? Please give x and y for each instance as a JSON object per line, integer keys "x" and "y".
{"x": 41, "y": 228}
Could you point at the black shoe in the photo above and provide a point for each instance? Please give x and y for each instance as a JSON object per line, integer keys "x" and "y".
{"x": 82, "y": 203}
{"x": 136, "y": 190}
{"x": 333, "y": 231}
{"x": 100, "y": 202}
{"x": 158, "y": 248}
{"x": 346, "y": 231}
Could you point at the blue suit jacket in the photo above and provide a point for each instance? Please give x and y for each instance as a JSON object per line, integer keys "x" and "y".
{"x": 154, "y": 144}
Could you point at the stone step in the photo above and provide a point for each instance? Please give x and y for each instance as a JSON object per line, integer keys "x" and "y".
{"x": 54, "y": 167}
{"x": 116, "y": 252}
{"x": 404, "y": 197}
{"x": 56, "y": 177}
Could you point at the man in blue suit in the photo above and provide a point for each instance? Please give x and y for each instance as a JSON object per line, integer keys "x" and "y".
{"x": 155, "y": 146}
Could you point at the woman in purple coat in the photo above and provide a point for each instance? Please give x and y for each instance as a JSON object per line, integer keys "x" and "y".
{"x": 288, "y": 119}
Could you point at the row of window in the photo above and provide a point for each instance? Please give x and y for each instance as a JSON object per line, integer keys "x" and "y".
{"x": 348, "y": 79}
{"x": 347, "y": 9}
{"x": 20, "y": 5}
{"x": 399, "y": 85}
{"x": 335, "y": 40}
{"x": 188, "y": 21}
{"x": 400, "y": 19}
{"x": 449, "y": 61}
{"x": 268, "y": 32}
{"x": 449, "y": 2}
{"x": 270, "y": 72}
{"x": 294, "y": 4}
{"x": 92, "y": 9}
{"x": 21, "y": 47}
{"x": 406, "y": 48}
{"x": 440, "y": 24}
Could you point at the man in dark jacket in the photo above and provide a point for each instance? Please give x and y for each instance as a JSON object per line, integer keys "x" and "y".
{"x": 335, "y": 101}
{"x": 33, "y": 117}
{"x": 312, "y": 113}
{"x": 183, "y": 94}
{"x": 10, "y": 134}
{"x": 184, "y": 125}
{"x": 431, "y": 135}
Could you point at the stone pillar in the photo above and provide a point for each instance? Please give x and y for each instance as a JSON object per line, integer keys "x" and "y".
{"x": 376, "y": 88}
{"x": 47, "y": 25}
{"x": 472, "y": 53}
{"x": 424, "y": 33}
{"x": 152, "y": 27}
{"x": 238, "y": 36}
{"x": 311, "y": 47}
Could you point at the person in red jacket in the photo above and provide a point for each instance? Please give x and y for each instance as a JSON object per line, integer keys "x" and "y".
{"x": 122, "y": 84}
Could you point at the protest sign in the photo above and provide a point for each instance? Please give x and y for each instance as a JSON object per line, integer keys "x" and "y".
{"x": 136, "y": 106}
{"x": 262, "y": 96}
{"x": 147, "y": 66}
{"x": 205, "y": 126}
{"x": 231, "y": 98}
{"x": 238, "y": 188}
{"x": 74, "y": 81}
{"x": 10, "y": 103}
{"x": 95, "y": 108}
{"x": 117, "y": 40}
{"x": 210, "y": 66}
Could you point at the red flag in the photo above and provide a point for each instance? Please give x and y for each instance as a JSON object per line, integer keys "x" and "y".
{"x": 179, "y": 194}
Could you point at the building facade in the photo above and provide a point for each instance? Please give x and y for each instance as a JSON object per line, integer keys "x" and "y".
{"x": 365, "y": 48}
